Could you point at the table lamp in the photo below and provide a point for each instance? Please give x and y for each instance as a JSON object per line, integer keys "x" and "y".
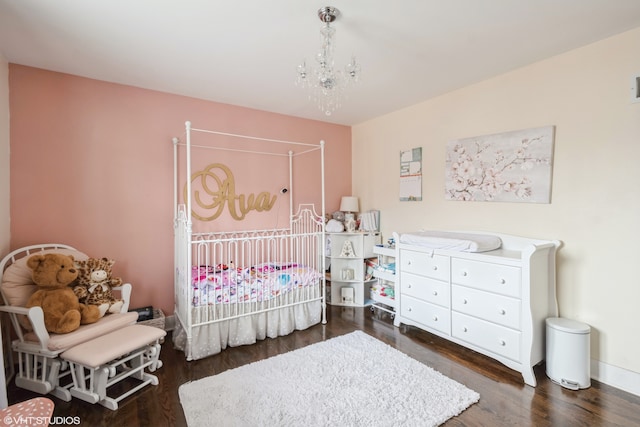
{"x": 349, "y": 205}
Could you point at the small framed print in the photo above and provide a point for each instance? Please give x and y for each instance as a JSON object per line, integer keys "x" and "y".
{"x": 348, "y": 274}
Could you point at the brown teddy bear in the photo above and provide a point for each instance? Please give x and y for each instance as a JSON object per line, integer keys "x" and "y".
{"x": 63, "y": 312}
{"x": 95, "y": 285}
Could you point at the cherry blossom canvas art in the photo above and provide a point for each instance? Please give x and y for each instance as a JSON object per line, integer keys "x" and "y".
{"x": 506, "y": 167}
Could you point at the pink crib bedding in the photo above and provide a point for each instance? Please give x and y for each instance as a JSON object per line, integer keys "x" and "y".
{"x": 229, "y": 285}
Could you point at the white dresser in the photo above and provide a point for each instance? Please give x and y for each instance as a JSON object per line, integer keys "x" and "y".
{"x": 493, "y": 302}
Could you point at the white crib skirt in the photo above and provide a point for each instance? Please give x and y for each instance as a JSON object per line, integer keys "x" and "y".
{"x": 212, "y": 338}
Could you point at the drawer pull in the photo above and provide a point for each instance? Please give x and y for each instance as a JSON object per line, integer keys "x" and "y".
{"x": 503, "y": 343}
{"x": 502, "y": 281}
{"x": 503, "y": 311}
{"x": 435, "y": 293}
{"x": 435, "y": 318}
{"x": 409, "y": 309}
{"x": 464, "y": 329}
{"x": 409, "y": 262}
{"x": 409, "y": 286}
{"x": 464, "y": 273}
{"x": 435, "y": 267}
{"x": 464, "y": 301}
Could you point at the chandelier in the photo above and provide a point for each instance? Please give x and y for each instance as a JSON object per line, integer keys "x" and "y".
{"x": 325, "y": 84}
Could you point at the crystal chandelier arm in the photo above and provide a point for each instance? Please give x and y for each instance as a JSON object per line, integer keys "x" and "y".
{"x": 353, "y": 70}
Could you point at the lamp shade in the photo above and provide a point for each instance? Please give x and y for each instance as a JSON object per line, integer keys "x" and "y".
{"x": 349, "y": 204}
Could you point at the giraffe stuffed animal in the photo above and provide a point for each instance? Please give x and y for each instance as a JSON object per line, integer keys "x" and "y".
{"x": 95, "y": 285}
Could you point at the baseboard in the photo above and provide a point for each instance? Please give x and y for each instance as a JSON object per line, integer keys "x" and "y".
{"x": 614, "y": 376}
{"x": 169, "y": 323}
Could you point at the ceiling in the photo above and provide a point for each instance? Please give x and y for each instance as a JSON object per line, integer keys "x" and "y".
{"x": 245, "y": 52}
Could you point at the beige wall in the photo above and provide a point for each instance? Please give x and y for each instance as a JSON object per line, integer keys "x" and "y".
{"x": 4, "y": 156}
{"x": 595, "y": 208}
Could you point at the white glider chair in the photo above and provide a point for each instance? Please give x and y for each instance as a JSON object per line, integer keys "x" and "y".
{"x": 40, "y": 367}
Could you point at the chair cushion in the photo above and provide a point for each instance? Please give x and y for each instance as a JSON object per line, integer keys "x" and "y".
{"x": 111, "y": 346}
{"x": 17, "y": 284}
{"x": 109, "y": 323}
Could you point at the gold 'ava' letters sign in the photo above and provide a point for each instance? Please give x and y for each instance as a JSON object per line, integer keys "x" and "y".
{"x": 220, "y": 190}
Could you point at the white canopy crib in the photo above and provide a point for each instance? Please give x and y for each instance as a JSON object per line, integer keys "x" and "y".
{"x": 235, "y": 287}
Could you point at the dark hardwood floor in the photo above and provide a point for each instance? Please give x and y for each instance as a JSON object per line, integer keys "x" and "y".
{"x": 504, "y": 399}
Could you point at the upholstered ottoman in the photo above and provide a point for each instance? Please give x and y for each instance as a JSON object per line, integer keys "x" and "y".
{"x": 102, "y": 362}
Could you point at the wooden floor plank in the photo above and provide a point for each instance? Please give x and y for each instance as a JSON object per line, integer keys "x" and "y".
{"x": 504, "y": 398}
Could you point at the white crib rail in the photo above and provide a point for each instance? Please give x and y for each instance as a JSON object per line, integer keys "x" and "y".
{"x": 182, "y": 268}
{"x": 239, "y": 252}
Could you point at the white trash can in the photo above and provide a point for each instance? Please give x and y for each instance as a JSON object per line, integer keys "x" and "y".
{"x": 568, "y": 353}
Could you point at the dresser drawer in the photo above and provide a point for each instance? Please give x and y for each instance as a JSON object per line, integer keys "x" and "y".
{"x": 434, "y": 266}
{"x": 430, "y": 315}
{"x": 495, "y": 338}
{"x": 499, "y": 309}
{"x": 425, "y": 288}
{"x": 497, "y": 278}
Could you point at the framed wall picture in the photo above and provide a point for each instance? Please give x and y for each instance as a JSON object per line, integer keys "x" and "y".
{"x": 506, "y": 167}
{"x": 411, "y": 175}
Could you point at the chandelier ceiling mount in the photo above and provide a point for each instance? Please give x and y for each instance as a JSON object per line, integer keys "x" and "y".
{"x": 328, "y": 14}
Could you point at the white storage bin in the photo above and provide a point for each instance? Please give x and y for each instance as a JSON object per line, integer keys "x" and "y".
{"x": 568, "y": 353}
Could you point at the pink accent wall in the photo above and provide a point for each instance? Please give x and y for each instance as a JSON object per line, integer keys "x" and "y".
{"x": 92, "y": 166}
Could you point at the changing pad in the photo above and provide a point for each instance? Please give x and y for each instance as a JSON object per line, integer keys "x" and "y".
{"x": 452, "y": 241}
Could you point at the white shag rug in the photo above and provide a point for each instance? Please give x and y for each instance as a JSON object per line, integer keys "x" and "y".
{"x": 351, "y": 380}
